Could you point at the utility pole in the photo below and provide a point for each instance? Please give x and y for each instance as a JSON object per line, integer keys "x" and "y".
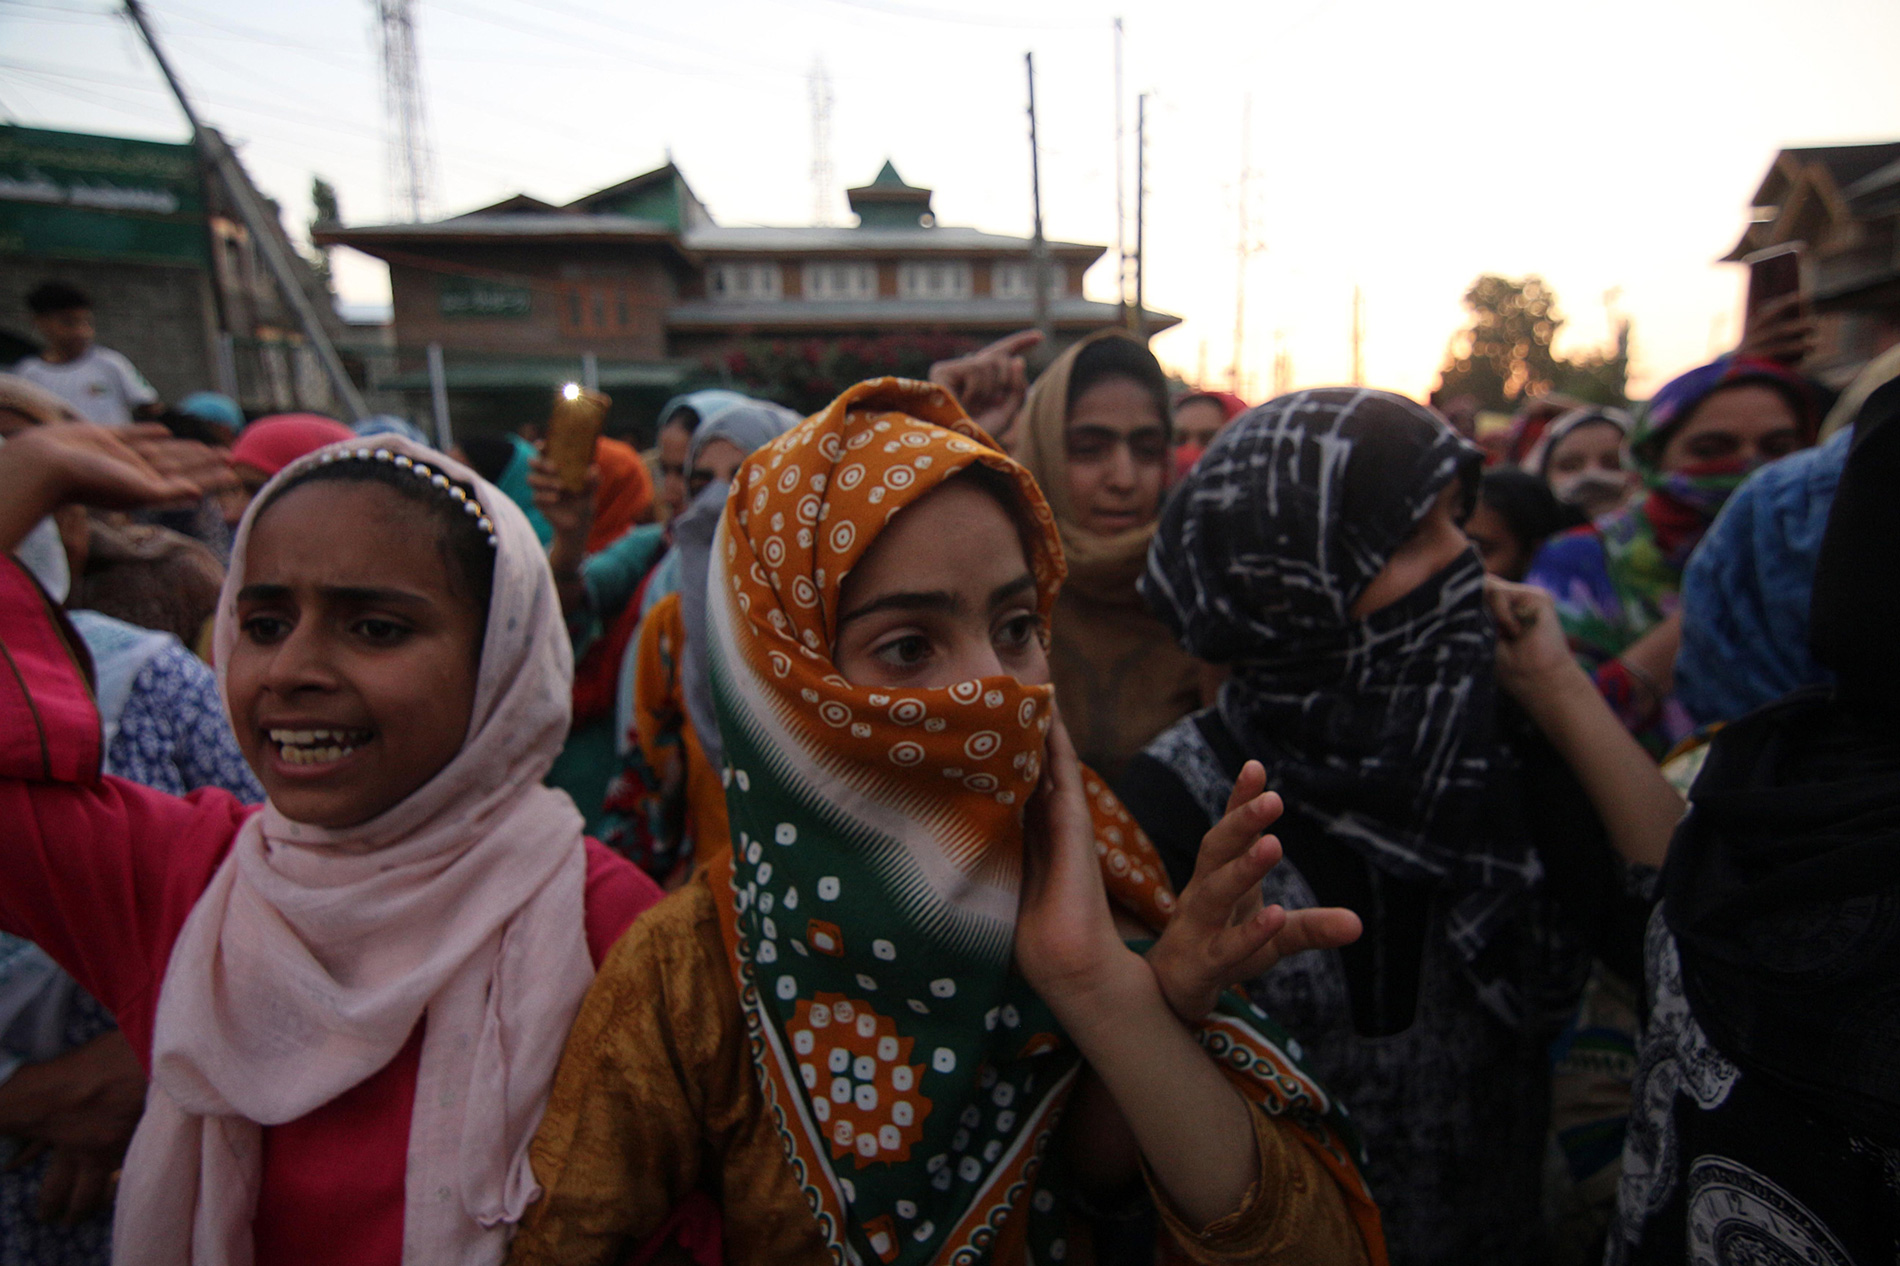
{"x": 217, "y": 157}
{"x": 820, "y": 86}
{"x": 1246, "y": 247}
{"x": 1282, "y": 365}
{"x": 1141, "y": 215}
{"x": 411, "y": 165}
{"x": 1038, "y": 247}
{"x": 1122, "y": 316}
{"x": 1358, "y": 337}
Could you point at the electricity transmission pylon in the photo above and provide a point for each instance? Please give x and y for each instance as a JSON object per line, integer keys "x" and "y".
{"x": 411, "y": 164}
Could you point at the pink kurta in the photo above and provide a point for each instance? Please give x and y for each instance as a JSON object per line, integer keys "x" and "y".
{"x": 102, "y": 874}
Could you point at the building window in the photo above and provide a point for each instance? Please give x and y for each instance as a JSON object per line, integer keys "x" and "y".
{"x": 834, "y": 279}
{"x": 1011, "y": 280}
{"x": 744, "y": 283}
{"x": 595, "y": 309}
{"x": 934, "y": 279}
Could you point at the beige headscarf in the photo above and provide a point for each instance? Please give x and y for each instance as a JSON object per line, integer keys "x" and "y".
{"x": 1105, "y": 567}
{"x": 303, "y": 969}
{"x": 1120, "y": 677}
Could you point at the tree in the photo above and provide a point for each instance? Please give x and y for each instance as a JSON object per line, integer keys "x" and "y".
{"x": 327, "y": 214}
{"x": 1503, "y": 356}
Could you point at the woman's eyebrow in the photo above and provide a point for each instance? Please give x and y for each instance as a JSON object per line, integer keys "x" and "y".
{"x": 369, "y": 596}
{"x": 1003, "y": 593}
{"x": 352, "y": 595}
{"x": 937, "y": 600}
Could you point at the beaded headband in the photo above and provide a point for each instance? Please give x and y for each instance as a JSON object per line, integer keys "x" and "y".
{"x": 424, "y": 472}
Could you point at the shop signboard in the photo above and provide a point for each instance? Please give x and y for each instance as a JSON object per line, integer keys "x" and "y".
{"x": 68, "y": 195}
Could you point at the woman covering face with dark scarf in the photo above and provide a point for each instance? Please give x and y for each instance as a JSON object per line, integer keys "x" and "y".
{"x": 1767, "y": 1102}
{"x": 1618, "y": 582}
{"x": 1315, "y": 549}
{"x": 1094, "y": 432}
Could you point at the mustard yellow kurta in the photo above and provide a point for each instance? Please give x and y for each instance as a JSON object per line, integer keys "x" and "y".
{"x": 657, "y": 1098}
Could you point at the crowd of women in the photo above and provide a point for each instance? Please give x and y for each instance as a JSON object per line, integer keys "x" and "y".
{"x": 1000, "y": 819}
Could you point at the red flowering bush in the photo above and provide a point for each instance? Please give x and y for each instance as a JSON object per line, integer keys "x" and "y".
{"x": 807, "y": 374}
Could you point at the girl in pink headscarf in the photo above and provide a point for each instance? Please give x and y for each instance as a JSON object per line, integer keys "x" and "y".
{"x": 351, "y": 1001}
{"x": 268, "y": 445}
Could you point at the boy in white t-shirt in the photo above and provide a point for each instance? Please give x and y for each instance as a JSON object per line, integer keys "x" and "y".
{"x": 101, "y": 384}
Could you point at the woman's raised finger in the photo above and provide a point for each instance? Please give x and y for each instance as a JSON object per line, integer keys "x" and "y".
{"x": 1237, "y": 883}
{"x": 1237, "y": 829}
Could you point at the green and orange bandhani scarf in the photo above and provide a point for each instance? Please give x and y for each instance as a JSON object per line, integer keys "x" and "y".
{"x": 869, "y": 899}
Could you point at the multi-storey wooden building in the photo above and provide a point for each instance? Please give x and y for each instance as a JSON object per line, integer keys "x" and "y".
{"x": 1842, "y": 202}
{"x": 640, "y": 277}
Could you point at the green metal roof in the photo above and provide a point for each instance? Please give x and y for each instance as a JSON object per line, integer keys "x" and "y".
{"x": 887, "y": 178}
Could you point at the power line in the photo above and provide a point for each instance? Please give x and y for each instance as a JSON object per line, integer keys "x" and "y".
{"x": 82, "y": 10}
{"x": 622, "y": 51}
{"x": 221, "y": 29}
{"x": 488, "y": 165}
{"x": 885, "y": 8}
{"x": 539, "y": 124}
{"x": 620, "y": 26}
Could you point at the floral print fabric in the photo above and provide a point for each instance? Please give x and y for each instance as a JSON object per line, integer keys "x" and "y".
{"x": 870, "y": 897}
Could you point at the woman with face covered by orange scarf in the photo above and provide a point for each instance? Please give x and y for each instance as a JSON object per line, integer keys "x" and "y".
{"x": 899, "y": 1021}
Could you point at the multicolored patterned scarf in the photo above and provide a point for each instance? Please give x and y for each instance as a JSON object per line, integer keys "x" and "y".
{"x": 1646, "y": 545}
{"x": 877, "y": 848}
{"x": 1621, "y": 576}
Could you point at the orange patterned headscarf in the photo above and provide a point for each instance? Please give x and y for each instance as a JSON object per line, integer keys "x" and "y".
{"x": 877, "y": 839}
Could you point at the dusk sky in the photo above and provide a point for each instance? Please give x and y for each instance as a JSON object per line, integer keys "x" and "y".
{"x": 1610, "y": 147}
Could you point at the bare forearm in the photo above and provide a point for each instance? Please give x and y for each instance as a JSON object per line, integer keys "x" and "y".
{"x": 1102, "y": 1148}
{"x": 572, "y": 591}
{"x": 1638, "y": 806}
{"x": 565, "y": 556}
{"x": 27, "y": 495}
{"x": 1193, "y": 1127}
{"x": 1652, "y": 657}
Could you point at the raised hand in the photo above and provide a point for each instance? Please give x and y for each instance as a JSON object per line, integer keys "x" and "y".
{"x": 196, "y": 463}
{"x": 45, "y": 467}
{"x": 1780, "y": 330}
{"x": 990, "y": 383}
{"x": 570, "y": 514}
{"x": 1532, "y": 649}
{"x": 566, "y": 512}
{"x": 76, "y": 1185}
{"x": 1067, "y": 945}
{"x": 1220, "y": 935}
{"x": 79, "y": 1108}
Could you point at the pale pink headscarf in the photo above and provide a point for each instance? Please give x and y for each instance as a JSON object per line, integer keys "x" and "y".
{"x": 303, "y": 969}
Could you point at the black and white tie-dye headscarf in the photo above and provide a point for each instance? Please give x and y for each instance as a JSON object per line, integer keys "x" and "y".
{"x": 1378, "y": 731}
